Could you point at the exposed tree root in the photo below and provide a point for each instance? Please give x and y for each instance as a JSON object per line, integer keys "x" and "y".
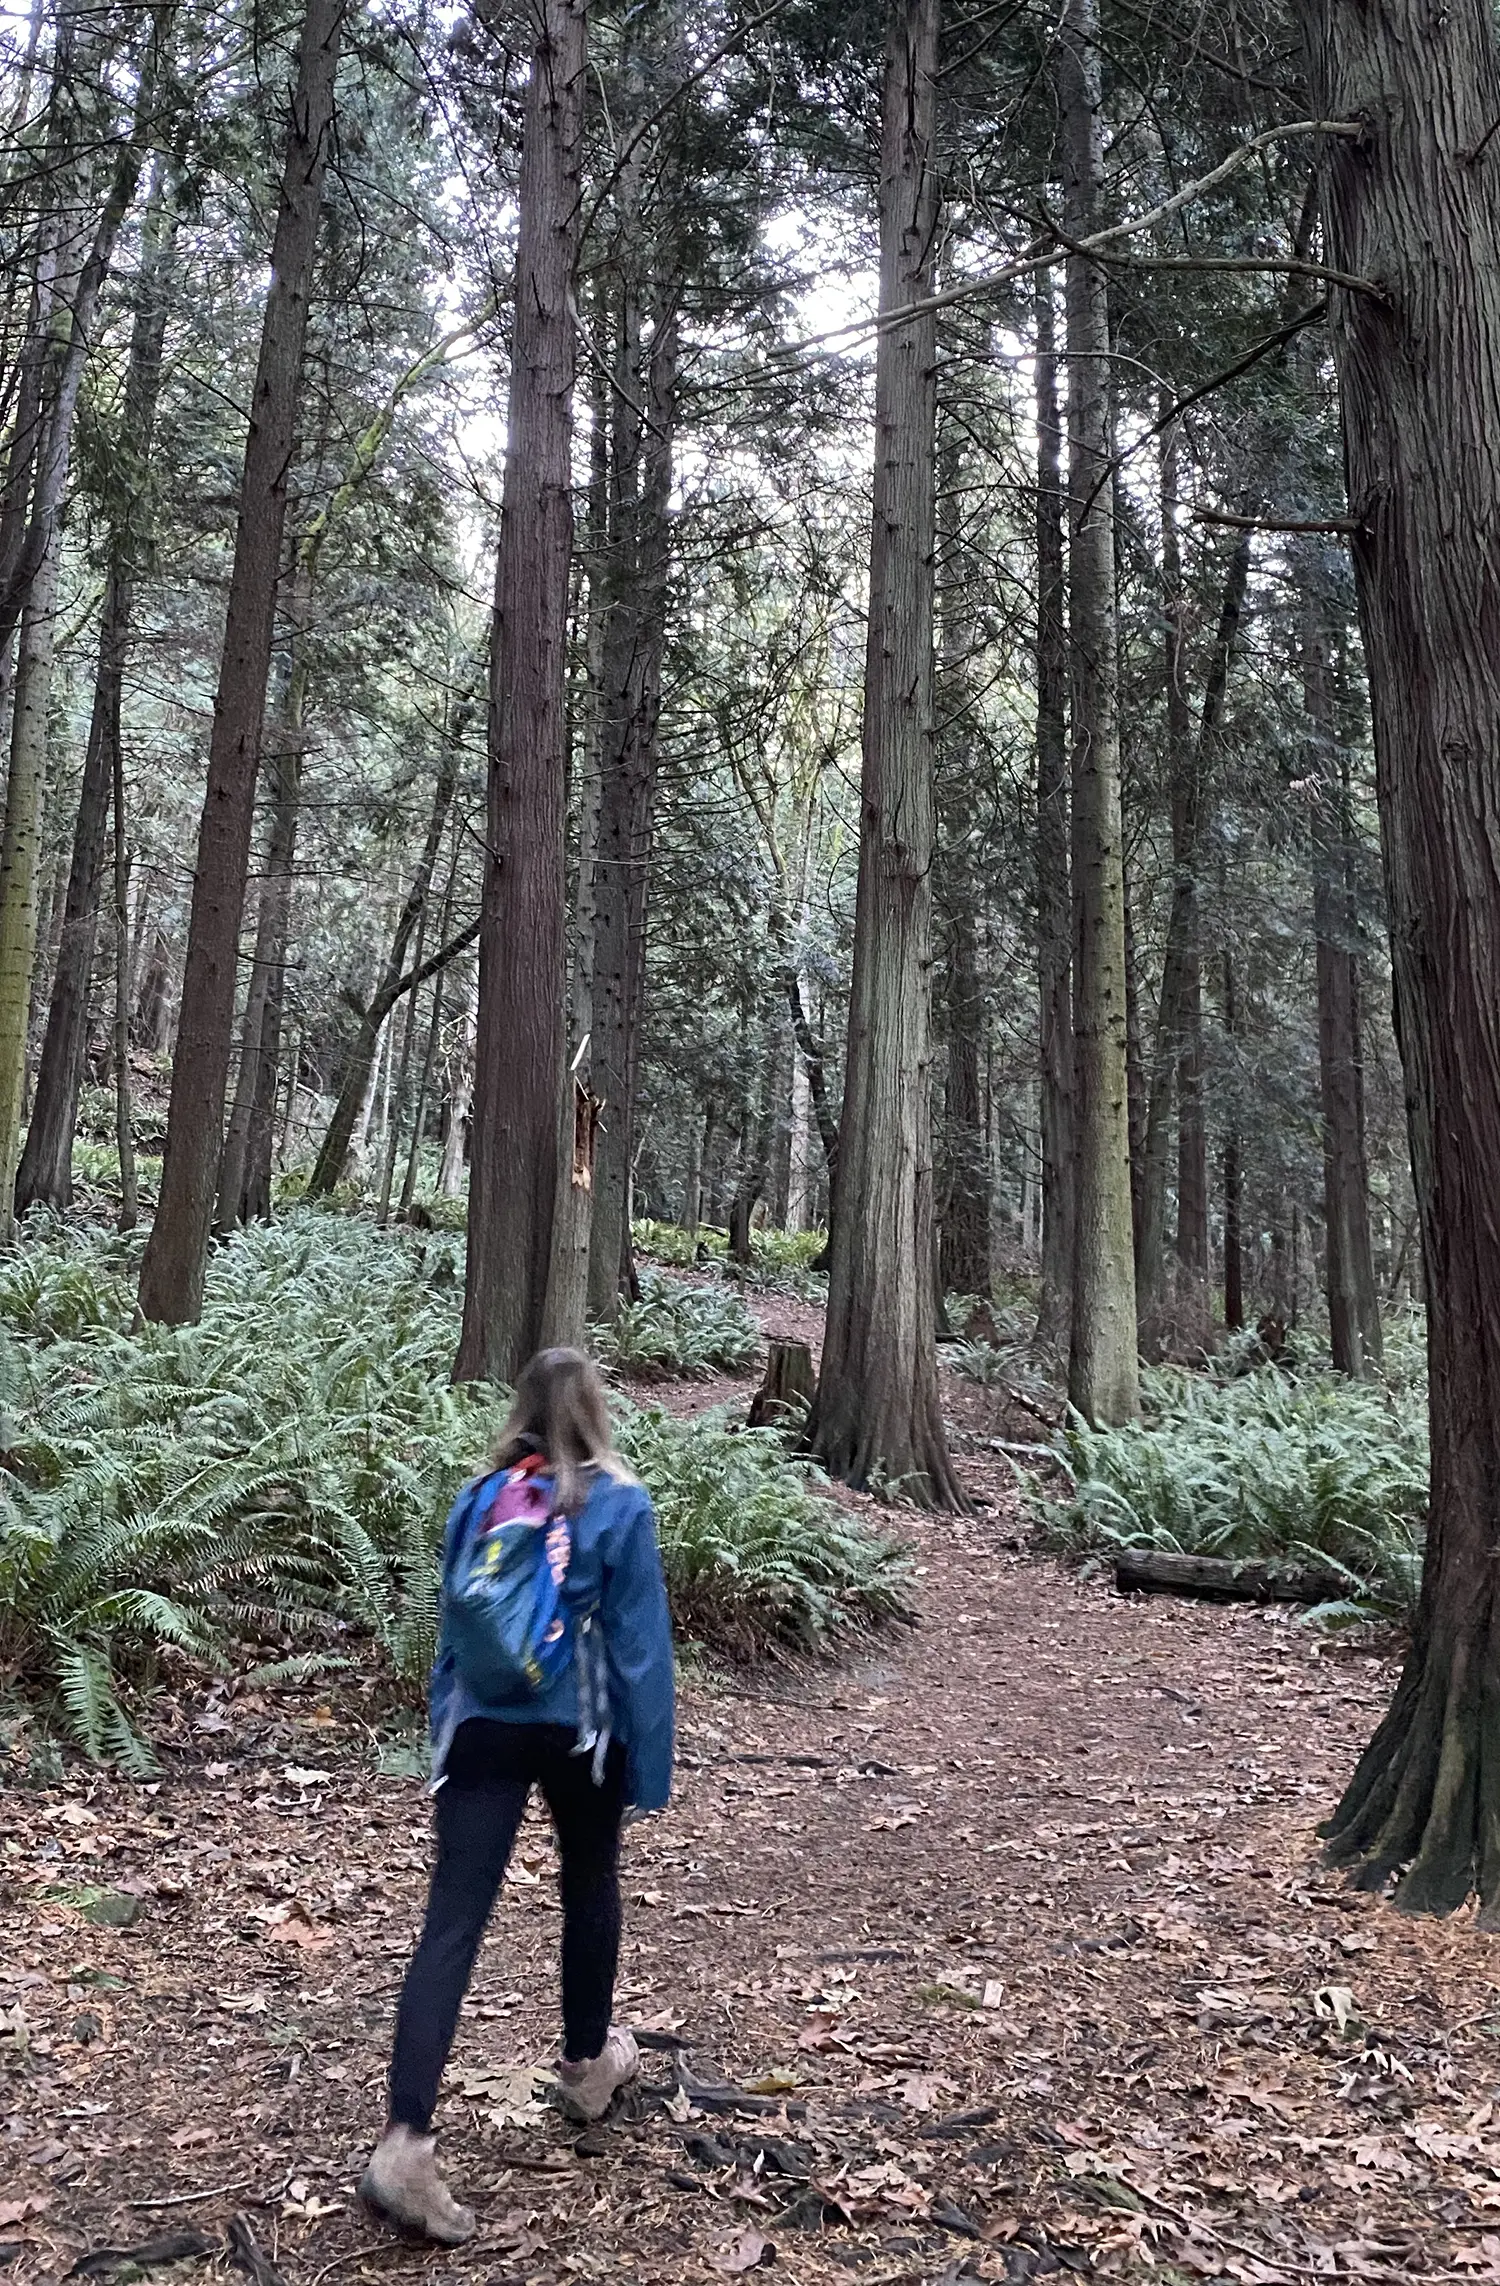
{"x": 1424, "y": 1802}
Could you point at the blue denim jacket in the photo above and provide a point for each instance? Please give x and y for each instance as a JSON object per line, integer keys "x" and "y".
{"x": 614, "y": 1573}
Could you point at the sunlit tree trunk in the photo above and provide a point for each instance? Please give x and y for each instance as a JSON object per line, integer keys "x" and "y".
{"x": 1412, "y": 204}
{"x": 1103, "y": 1374}
{"x": 172, "y": 1270}
{"x": 518, "y": 1136}
{"x": 876, "y": 1415}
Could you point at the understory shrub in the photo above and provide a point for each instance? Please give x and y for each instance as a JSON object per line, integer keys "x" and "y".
{"x": 678, "y": 1329}
{"x": 274, "y": 1479}
{"x": 1318, "y": 1469}
{"x": 781, "y": 1261}
{"x": 754, "y": 1553}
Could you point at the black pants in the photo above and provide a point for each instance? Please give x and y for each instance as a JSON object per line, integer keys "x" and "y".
{"x": 492, "y": 1767}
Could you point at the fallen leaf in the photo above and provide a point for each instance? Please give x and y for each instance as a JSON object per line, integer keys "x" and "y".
{"x": 921, "y": 2090}
{"x": 742, "y": 2253}
{"x": 295, "y": 1777}
{"x": 292, "y": 1924}
{"x": 20, "y": 2210}
{"x": 1336, "y": 2001}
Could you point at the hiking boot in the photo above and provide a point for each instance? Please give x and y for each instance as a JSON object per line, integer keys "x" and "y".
{"x": 402, "y": 2184}
{"x": 585, "y": 2091}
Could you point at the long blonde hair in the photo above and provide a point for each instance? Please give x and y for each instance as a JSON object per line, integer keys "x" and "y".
{"x": 560, "y": 1412}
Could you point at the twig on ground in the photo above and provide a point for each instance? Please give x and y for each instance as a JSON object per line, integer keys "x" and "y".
{"x": 246, "y": 2255}
{"x": 188, "y": 2198}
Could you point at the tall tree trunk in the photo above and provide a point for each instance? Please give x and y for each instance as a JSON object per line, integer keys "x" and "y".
{"x": 1054, "y": 896}
{"x": 634, "y": 641}
{"x": 964, "y": 1253}
{"x": 1178, "y": 1058}
{"x": 1413, "y": 204}
{"x": 245, "y": 1170}
{"x": 124, "y": 1130}
{"x": 424, "y": 1097}
{"x": 171, "y": 1288}
{"x": 460, "y": 1089}
{"x": 876, "y": 1413}
{"x": 1234, "y": 1181}
{"x": 963, "y": 1258}
{"x": 518, "y": 1156}
{"x": 1194, "y": 1312}
{"x": 1103, "y": 1374}
{"x": 1151, "y": 1232}
{"x": 350, "y": 1111}
{"x": 1353, "y": 1305}
{"x": 46, "y": 1170}
{"x": 66, "y": 311}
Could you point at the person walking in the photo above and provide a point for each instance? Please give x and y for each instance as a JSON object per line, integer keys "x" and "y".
{"x": 554, "y": 1670}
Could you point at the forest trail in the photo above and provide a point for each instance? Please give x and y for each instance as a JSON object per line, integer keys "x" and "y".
{"x": 1018, "y": 1916}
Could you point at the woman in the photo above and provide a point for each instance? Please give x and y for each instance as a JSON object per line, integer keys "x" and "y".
{"x": 591, "y": 1763}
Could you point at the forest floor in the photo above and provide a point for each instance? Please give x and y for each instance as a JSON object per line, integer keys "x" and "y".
{"x": 1004, "y": 1950}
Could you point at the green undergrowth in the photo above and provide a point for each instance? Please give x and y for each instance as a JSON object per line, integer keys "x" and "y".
{"x": 1308, "y": 1467}
{"x": 674, "y": 1328}
{"x": 756, "y": 1555}
{"x": 267, "y": 1488}
{"x": 781, "y": 1261}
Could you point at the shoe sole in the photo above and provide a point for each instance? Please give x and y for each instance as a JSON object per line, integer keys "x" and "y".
{"x": 418, "y": 2233}
{"x": 577, "y": 2114}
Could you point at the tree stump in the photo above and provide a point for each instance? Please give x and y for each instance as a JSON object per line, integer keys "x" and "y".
{"x": 788, "y": 1385}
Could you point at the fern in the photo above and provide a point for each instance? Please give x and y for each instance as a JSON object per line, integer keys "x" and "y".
{"x": 1317, "y": 1469}
{"x": 279, "y": 1473}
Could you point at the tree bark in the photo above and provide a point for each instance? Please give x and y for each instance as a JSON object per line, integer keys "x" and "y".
{"x": 634, "y": 641}
{"x": 171, "y": 1289}
{"x": 395, "y": 981}
{"x": 876, "y": 1416}
{"x": 66, "y": 310}
{"x": 1353, "y": 1303}
{"x": 1103, "y": 1373}
{"x": 245, "y": 1170}
{"x": 1178, "y": 1059}
{"x": 1054, "y": 896}
{"x": 1226, "y": 1579}
{"x": 964, "y": 1247}
{"x": 519, "y": 1155}
{"x": 124, "y": 1129}
{"x": 1410, "y": 204}
{"x": 1234, "y": 1182}
{"x": 45, "y": 1177}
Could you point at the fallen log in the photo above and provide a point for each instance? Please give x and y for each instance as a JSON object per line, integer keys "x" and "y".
{"x": 1225, "y": 1579}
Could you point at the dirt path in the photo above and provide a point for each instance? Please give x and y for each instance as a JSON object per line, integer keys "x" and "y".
{"x": 1017, "y": 1924}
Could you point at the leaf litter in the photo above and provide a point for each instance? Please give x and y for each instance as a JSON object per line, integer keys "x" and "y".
{"x": 1003, "y": 1953}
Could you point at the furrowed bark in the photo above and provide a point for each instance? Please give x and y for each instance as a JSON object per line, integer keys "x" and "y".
{"x": 1103, "y": 1372}
{"x": 1054, "y": 897}
{"x": 519, "y": 1134}
{"x": 45, "y": 1177}
{"x": 1410, "y": 205}
{"x": 171, "y": 1289}
{"x": 876, "y": 1416}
